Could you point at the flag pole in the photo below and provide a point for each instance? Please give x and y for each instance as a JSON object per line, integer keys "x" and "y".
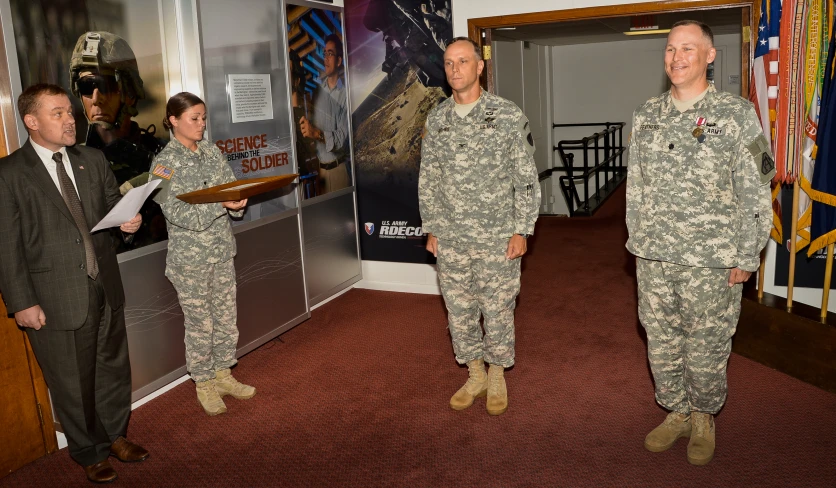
{"x": 825, "y": 292}
{"x": 793, "y": 233}
{"x": 761, "y": 270}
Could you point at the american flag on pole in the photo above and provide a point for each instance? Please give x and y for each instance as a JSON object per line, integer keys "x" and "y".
{"x": 763, "y": 89}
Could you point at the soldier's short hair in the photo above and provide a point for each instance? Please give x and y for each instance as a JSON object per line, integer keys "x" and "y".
{"x": 706, "y": 30}
{"x": 476, "y": 50}
{"x": 178, "y": 104}
{"x": 29, "y": 101}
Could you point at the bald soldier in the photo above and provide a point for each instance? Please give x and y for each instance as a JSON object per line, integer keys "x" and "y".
{"x": 479, "y": 198}
{"x": 698, "y": 216}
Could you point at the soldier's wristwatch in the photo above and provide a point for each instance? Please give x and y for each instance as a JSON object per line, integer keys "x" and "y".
{"x": 524, "y": 236}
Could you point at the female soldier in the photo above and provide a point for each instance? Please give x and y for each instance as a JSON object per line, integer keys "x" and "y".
{"x": 200, "y": 251}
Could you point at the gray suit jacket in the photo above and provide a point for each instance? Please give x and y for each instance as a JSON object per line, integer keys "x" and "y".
{"x": 41, "y": 253}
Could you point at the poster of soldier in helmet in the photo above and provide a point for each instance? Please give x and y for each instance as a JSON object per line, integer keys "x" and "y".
{"x": 319, "y": 99}
{"x": 115, "y": 77}
{"x": 396, "y": 54}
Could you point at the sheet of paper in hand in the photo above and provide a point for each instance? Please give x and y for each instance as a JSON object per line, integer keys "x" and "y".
{"x": 127, "y": 207}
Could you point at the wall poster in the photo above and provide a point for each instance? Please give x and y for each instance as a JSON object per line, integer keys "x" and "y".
{"x": 108, "y": 55}
{"x": 396, "y": 54}
{"x": 318, "y": 96}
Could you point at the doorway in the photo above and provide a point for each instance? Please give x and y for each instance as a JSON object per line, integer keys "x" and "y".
{"x": 580, "y": 66}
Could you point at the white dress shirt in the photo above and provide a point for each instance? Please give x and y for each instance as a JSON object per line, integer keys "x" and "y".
{"x": 46, "y": 157}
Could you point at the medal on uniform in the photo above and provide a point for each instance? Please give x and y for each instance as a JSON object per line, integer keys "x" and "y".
{"x": 698, "y": 132}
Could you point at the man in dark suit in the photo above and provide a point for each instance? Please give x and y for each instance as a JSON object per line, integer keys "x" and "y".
{"x": 63, "y": 283}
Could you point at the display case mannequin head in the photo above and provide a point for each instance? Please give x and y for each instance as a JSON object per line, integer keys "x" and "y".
{"x": 104, "y": 75}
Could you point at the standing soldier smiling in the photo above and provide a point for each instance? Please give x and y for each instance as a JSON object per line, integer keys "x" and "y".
{"x": 698, "y": 216}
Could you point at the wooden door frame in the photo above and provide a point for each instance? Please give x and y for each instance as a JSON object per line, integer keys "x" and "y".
{"x": 750, "y": 12}
{"x": 41, "y": 393}
{"x": 7, "y": 103}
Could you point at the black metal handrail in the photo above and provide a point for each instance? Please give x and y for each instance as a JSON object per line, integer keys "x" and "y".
{"x": 607, "y": 156}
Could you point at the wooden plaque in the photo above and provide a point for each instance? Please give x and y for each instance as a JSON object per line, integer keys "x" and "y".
{"x": 237, "y": 190}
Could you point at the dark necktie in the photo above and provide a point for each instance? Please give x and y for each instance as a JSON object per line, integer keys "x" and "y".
{"x": 74, "y": 204}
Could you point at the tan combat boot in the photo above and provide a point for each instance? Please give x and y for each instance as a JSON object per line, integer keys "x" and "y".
{"x": 227, "y": 385}
{"x": 662, "y": 438}
{"x": 476, "y": 386}
{"x": 497, "y": 392}
{"x": 209, "y": 398}
{"x": 701, "y": 446}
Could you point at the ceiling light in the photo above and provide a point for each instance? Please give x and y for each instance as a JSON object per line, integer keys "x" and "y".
{"x": 645, "y": 32}
{"x": 505, "y": 28}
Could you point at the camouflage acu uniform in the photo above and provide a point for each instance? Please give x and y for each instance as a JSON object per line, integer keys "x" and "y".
{"x": 477, "y": 187}
{"x": 200, "y": 251}
{"x": 698, "y": 204}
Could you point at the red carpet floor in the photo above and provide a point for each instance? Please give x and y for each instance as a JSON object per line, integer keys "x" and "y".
{"x": 357, "y": 396}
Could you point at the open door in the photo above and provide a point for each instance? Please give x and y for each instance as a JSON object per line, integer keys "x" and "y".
{"x": 750, "y": 11}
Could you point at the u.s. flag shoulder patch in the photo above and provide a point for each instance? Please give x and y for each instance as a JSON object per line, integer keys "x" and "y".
{"x": 163, "y": 172}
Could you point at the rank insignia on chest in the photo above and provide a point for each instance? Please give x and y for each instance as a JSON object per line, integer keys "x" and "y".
{"x": 443, "y": 129}
{"x": 163, "y": 172}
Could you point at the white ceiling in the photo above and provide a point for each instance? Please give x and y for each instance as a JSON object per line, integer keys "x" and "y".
{"x": 721, "y": 21}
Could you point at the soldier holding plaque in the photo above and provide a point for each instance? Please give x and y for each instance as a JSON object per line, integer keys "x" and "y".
{"x": 201, "y": 249}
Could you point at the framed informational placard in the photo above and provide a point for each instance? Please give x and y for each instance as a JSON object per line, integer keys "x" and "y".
{"x": 250, "y": 97}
